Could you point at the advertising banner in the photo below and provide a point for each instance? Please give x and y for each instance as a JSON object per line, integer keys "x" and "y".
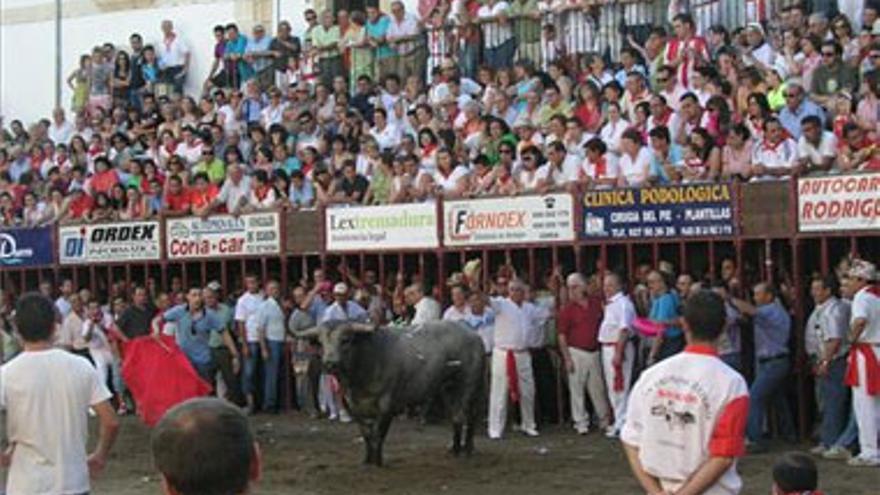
{"x": 695, "y": 210}
{"x": 843, "y": 202}
{"x": 26, "y": 247}
{"x": 518, "y": 220}
{"x": 377, "y": 228}
{"x": 223, "y": 236}
{"x": 109, "y": 242}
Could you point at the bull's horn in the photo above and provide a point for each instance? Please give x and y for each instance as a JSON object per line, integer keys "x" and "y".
{"x": 363, "y": 327}
{"x": 308, "y": 333}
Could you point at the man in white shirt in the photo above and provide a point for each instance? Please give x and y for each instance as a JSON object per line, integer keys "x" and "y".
{"x": 560, "y": 170}
{"x": 234, "y": 193}
{"x": 173, "y": 57}
{"x": 426, "y": 307}
{"x": 776, "y": 155}
{"x": 515, "y": 320}
{"x": 403, "y": 29}
{"x": 61, "y": 129}
{"x": 617, "y": 348}
{"x": 685, "y": 423}
{"x": 863, "y": 372}
{"x": 62, "y": 305}
{"x": 246, "y": 319}
{"x": 47, "y": 419}
{"x": 329, "y": 393}
{"x": 460, "y": 310}
{"x": 817, "y": 148}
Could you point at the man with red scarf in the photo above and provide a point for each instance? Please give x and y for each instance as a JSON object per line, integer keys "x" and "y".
{"x": 863, "y": 373}
{"x": 776, "y": 155}
{"x": 515, "y": 319}
{"x": 617, "y": 349}
{"x": 687, "y": 50}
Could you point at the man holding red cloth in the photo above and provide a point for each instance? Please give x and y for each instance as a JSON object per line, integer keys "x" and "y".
{"x": 863, "y": 373}
{"x": 579, "y": 346}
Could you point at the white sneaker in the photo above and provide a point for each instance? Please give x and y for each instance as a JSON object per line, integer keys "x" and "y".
{"x": 837, "y": 453}
{"x": 344, "y": 417}
{"x": 530, "y": 432}
{"x": 864, "y": 461}
{"x": 333, "y": 417}
{"x": 582, "y": 429}
{"x": 818, "y": 450}
{"x": 494, "y": 436}
{"x": 611, "y": 432}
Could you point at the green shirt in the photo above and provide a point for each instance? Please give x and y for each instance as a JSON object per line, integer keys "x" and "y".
{"x": 215, "y": 169}
{"x": 323, "y": 38}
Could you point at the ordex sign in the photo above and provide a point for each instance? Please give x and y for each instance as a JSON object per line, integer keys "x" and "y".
{"x": 110, "y": 242}
{"x": 223, "y": 236}
{"x": 519, "y": 220}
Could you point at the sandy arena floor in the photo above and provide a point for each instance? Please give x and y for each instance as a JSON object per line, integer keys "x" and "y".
{"x": 312, "y": 457}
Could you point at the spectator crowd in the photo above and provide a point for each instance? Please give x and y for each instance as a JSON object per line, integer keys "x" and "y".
{"x": 463, "y": 99}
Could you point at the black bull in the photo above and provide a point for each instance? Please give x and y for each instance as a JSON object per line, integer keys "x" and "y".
{"x": 384, "y": 371}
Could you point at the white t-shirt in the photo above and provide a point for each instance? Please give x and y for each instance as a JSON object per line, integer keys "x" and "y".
{"x": 780, "y": 155}
{"x": 866, "y": 305}
{"x": 171, "y": 54}
{"x": 816, "y": 154}
{"x": 450, "y": 182}
{"x": 635, "y": 171}
{"x": 685, "y": 410}
{"x": 619, "y": 315}
{"x": 247, "y": 311}
{"x": 516, "y": 323}
{"x": 560, "y": 176}
{"x": 495, "y": 33}
{"x": 47, "y": 420}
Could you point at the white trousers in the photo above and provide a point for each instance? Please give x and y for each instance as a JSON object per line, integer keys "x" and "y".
{"x": 499, "y": 391}
{"x": 587, "y": 375}
{"x": 618, "y": 399}
{"x": 867, "y": 410}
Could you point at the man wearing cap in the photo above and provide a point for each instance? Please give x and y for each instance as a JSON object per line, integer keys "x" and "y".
{"x": 246, "y": 311}
{"x": 342, "y": 308}
{"x": 863, "y": 372}
{"x": 224, "y": 353}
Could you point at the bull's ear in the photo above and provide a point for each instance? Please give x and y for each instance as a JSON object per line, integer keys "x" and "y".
{"x": 363, "y": 327}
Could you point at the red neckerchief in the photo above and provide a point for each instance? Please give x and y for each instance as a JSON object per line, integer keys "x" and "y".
{"x": 170, "y": 148}
{"x": 767, "y": 145}
{"x": 601, "y": 166}
{"x": 261, "y": 192}
{"x": 664, "y": 119}
{"x": 429, "y": 149}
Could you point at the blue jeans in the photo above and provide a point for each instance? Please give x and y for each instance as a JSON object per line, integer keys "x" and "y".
{"x": 271, "y": 368}
{"x": 250, "y": 369}
{"x": 834, "y": 400}
{"x": 468, "y": 57}
{"x": 768, "y": 387}
{"x": 501, "y": 56}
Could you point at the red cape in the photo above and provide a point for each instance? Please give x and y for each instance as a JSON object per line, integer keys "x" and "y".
{"x": 159, "y": 376}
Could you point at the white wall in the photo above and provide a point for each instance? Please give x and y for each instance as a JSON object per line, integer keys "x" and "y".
{"x": 27, "y": 51}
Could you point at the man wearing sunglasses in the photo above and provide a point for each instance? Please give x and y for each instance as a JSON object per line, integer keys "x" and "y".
{"x": 832, "y": 76}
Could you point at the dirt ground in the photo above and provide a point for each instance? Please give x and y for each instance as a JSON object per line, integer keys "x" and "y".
{"x": 313, "y": 457}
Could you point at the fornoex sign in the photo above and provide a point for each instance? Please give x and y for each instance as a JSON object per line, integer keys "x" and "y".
{"x": 843, "y": 202}
{"x": 109, "y": 242}
{"x": 518, "y": 220}
{"x": 376, "y": 228}
{"x": 253, "y": 234}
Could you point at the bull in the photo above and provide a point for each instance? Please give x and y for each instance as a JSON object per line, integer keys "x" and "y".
{"x": 382, "y": 372}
